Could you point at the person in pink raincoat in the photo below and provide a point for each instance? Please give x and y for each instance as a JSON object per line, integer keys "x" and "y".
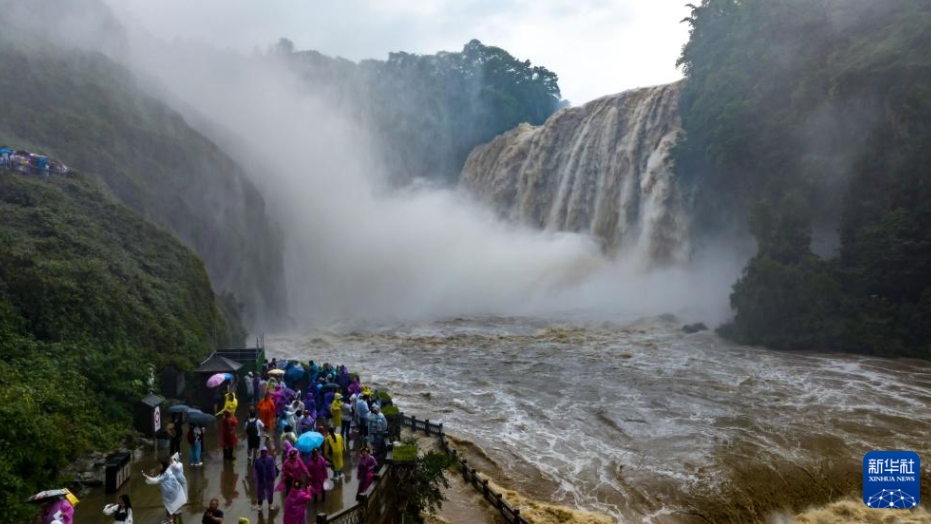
{"x": 292, "y": 468}
{"x": 58, "y": 511}
{"x": 317, "y": 467}
{"x": 295, "y": 505}
{"x": 366, "y": 469}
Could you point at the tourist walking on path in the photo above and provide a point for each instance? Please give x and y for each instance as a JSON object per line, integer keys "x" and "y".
{"x": 265, "y": 472}
{"x": 228, "y": 439}
{"x": 366, "y": 469}
{"x": 333, "y": 449}
{"x": 362, "y": 409}
{"x": 195, "y": 437}
{"x": 176, "y": 430}
{"x": 317, "y": 467}
{"x": 292, "y": 469}
{"x": 254, "y": 430}
{"x": 336, "y": 411}
{"x": 266, "y": 409}
{"x": 122, "y": 511}
{"x": 379, "y": 430}
{"x": 295, "y": 505}
{"x": 58, "y": 511}
{"x": 213, "y": 515}
{"x": 174, "y": 492}
{"x": 346, "y": 418}
{"x": 306, "y": 423}
{"x": 252, "y": 387}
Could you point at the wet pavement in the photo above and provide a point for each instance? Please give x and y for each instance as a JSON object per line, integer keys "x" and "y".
{"x": 230, "y": 482}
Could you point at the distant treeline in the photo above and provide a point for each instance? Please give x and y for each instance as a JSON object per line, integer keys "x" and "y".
{"x": 429, "y": 111}
{"x": 805, "y": 116}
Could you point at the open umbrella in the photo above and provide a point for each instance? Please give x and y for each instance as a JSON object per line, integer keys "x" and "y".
{"x": 216, "y": 380}
{"x": 308, "y": 441}
{"x": 178, "y": 408}
{"x": 198, "y": 417}
{"x": 52, "y": 494}
{"x": 276, "y": 372}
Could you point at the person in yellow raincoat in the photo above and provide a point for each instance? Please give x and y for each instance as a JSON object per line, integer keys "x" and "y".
{"x": 230, "y": 404}
{"x": 333, "y": 451}
{"x": 336, "y": 411}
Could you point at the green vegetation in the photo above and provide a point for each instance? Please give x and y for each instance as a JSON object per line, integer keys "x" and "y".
{"x": 806, "y": 116}
{"x": 93, "y": 115}
{"x": 91, "y": 298}
{"x": 421, "y": 478}
{"x": 430, "y": 111}
{"x": 404, "y": 453}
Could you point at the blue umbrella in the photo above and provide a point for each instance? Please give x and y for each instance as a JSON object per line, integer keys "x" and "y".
{"x": 198, "y": 417}
{"x": 308, "y": 441}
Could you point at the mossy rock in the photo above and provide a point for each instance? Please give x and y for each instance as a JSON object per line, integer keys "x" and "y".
{"x": 390, "y": 410}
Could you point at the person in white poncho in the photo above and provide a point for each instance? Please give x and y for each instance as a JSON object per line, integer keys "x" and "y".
{"x": 174, "y": 487}
{"x": 122, "y": 511}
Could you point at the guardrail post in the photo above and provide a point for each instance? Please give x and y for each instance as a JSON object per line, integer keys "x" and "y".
{"x": 465, "y": 470}
{"x": 485, "y": 487}
{"x": 441, "y": 430}
{"x": 516, "y": 516}
{"x": 498, "y": 501}
{"x": 413, "y": 423}
{"x": 321, "y": 518}
{"x": 426, "y": 427}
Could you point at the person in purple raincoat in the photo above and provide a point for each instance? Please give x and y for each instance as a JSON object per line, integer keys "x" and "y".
{"x": 295, "y": 505}
{"x": 317, "y": 467}
{"x": 354, "y": 387}
{"x": 292, "y": 469}
{"x": 265, "y": 472}
{"x": 366, "y": 469}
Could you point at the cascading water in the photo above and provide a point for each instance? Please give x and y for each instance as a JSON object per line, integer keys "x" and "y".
{"x": 601, "y": 169}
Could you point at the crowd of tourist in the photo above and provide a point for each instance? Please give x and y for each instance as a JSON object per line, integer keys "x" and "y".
{"x": 30, "y": 163}
{"x": 302, "y": 425}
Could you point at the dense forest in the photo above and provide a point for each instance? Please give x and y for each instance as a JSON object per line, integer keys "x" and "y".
{"x": 808, "y": 119}
{"x": 429, "y": 111}
{"x": 94, "y": 115}
{"x": 91, "y": 298}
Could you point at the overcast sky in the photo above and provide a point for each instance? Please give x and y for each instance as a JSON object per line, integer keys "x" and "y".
{"x": 597, "y": 47}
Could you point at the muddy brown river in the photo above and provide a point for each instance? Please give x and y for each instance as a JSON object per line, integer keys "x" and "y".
{"x": 620, "y": 419}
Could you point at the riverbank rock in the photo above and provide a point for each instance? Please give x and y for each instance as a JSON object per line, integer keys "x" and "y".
{"x": 694, "y": 328}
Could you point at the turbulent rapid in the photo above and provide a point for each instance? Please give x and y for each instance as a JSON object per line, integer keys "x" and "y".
{"x": 626, "y": 419}
{"x": 602, "y": 169}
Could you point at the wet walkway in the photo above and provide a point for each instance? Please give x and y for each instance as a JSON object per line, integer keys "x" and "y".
{"x": 230, "y": 482}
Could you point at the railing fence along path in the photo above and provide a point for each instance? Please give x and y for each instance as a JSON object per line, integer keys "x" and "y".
{"x": 376, "y": 506}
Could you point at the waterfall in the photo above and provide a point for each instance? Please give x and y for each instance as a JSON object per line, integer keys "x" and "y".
{"x": 603, "y": 169}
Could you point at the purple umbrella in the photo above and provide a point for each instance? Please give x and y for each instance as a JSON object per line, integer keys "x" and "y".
{"x": 218, "y": 379}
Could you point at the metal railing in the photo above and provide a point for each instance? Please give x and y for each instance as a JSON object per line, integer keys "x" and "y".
{"x": 510, "y": 513}
{"x": 374, "y": 506}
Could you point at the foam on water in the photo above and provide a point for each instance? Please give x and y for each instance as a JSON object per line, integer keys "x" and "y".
{"x": 623, "y": 420}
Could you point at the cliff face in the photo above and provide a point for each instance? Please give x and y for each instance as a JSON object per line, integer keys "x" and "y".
{"x": 93, "y": 115}
{"x": 602, "y": 169}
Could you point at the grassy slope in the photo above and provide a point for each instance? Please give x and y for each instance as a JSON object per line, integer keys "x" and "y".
{"x": 91, "y": 296}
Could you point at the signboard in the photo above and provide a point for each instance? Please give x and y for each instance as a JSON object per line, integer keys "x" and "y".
{"x": 157, "y": 418}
